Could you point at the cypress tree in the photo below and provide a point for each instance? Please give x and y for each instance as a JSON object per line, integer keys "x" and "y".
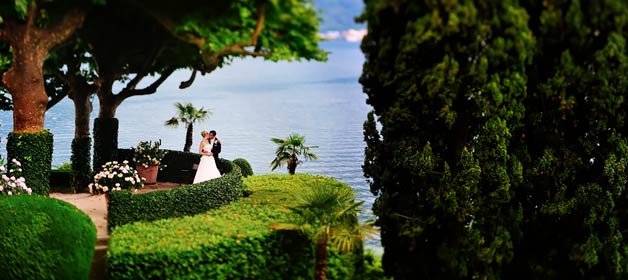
{"x": 502, "y": 151}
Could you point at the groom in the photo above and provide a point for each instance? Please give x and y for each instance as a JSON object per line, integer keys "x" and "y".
{"x": 216, "y": 146}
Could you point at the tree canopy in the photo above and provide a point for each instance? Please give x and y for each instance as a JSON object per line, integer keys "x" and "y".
{"x": 502, "y": 149}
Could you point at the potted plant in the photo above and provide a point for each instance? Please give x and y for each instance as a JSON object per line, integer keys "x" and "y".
{"x": 147, "y": 157}
{"x": 115, "y": 177}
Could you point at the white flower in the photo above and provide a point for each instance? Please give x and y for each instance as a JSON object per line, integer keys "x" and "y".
{"x": 9, "y": 193}
{"x": 117, "y": 184}
{"x": 104, "y": 189}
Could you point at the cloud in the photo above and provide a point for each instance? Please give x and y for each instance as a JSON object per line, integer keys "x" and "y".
{"x": 329, "y": 35}
{"x": 350, "y": 35}
{"x": 353, "y": 35}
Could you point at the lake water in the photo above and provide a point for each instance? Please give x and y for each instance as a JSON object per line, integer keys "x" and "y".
{"x": 252, "y": 101}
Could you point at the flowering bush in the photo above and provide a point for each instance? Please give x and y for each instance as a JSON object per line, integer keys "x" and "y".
{"x": 148, "y": 153}
{"x": 12, "y": 182}
{"x": 116, "y": 177}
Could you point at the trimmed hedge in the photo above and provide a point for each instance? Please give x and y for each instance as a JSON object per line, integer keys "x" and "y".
{"x": 245, "y": 167}
{"x": 44, "y": 238}
{"x": 233, "y": 242}
{"x": 81, "y": 167}
{"x": 34, "y": 152}
{"x": 125, "y": 207}
{"x": 105, "y": 141}
{"x": 61, "y": 181}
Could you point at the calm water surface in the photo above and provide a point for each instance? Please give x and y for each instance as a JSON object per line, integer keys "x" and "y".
{"x": 251, "y": 101}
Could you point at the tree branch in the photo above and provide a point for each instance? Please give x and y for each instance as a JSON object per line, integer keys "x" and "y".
{"x": 133, "y": 83}
{"x": 126, "y": 93}
{"x": 239, "y": 48}
{"x": 31, "y": 15}
{"x": 55, "y": 99}
{"x": 59, "y": 32}
{"x": 186, "y": 84}
{"x": 261, "y": 14}
{"x": 59, "y": 75}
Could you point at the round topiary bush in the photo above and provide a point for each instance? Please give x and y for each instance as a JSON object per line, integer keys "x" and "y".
{"x": 44, "y": 238}
{"x": 244, "y": 165}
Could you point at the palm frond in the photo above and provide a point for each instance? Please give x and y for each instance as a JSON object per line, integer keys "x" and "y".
{"x": 174, "y": 122}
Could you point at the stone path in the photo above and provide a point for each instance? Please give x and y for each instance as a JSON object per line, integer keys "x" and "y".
{"x": 95, "y": 207}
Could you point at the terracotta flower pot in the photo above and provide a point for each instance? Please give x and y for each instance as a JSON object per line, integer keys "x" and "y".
{"x": 149, "y": 173}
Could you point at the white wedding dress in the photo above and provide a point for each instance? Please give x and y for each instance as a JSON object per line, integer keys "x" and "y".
{"x": 207, "y": 168}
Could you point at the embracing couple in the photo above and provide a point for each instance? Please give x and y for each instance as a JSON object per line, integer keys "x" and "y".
{"x": 209, "y": 150}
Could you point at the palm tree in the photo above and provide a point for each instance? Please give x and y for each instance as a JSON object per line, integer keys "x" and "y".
{"x": 328, "y": 213}
{"x": 287, "y": 151}
{"x": 188, "y": 115}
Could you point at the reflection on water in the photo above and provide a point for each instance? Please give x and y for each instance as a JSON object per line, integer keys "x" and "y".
{"x": 251, "y": 102}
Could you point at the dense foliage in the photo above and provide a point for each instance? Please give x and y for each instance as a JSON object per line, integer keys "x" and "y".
{"x": 245, "y": 166}
{"x": 502, "y": 151}
{"x": 233, "y": 242}
{"x": 126, "y": 207}
{"x": 44, "y": 238}
{"x": 34, "y": 152}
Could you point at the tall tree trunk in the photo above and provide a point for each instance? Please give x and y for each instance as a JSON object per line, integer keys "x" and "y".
{"x": 24, "y": 80}
{"x": 80, "y": 92}
{"x": 82, "y": 111}
{"x": 106, "y": 125}
{"x": 292, "y": 164}
{"x": 320, "y": 262}
{"x": 188, "y": 137}
{"x": 30, "y": 45}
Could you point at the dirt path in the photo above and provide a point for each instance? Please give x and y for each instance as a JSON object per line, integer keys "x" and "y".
{"x": 95, "y": 207}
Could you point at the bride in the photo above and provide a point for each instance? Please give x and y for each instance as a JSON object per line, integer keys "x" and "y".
{"x": 207, "y": 168}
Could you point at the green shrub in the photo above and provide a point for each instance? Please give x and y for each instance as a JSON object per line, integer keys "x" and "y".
{"x": 233, "y": 242}
{"x": 244, "y": 165}
{"x": 44, "y": 238}
{"x": 372, "y": 268}
{"x": 81, "y": 163}
{"x": 34, "y": 152}
{"x": 125, "y": 207}
{"x": 61, "y": 181}
{"x": 66, "y": 166}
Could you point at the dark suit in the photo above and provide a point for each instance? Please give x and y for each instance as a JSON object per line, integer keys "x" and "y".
{"x": 216, "y": 150}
